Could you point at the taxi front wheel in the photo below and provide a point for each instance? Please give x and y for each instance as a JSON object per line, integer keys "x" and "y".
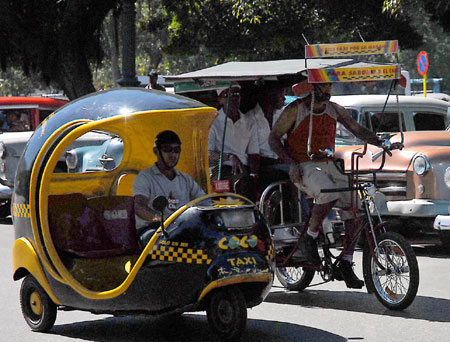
{"x": 227, "y": 313}
{"x": 37, "y": 308}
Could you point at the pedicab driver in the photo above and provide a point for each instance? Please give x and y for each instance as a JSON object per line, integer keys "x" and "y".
{"x": 312, "y": 175}
{"x": 162, "y": 179}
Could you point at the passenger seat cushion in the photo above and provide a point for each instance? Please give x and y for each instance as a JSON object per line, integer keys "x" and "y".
{"x": 96, "y": 227}
{"x": 116, "y": 215}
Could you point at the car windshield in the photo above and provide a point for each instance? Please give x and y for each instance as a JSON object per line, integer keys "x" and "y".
{"x": 15, "y": 120}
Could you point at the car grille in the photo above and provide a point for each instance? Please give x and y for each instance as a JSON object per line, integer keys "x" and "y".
{"x": 392, "y": 185}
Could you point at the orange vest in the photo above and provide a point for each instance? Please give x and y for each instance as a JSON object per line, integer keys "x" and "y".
{"x": 323, "y": 133}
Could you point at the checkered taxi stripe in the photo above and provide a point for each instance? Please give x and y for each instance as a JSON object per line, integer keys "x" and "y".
{"x": 271, "y": 252}
{"x": 179, "y": 253}
{"x": 21, "y": 210}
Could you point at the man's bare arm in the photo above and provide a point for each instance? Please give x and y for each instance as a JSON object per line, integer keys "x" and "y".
{"x": 359, "y": 131}
{"x": 142, "y": 209}
{"x": 281, "y": 127}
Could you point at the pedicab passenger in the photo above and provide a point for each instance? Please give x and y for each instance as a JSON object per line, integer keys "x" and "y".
{"x": 268, "y": 108}
{"x": 312, "y": 175}
{"x": 240, "y": 160}
{"x": 162, "y": 179}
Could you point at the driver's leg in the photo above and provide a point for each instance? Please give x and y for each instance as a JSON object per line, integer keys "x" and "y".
{"x": 344, "y": 269}
{"x": 309, "y": 244}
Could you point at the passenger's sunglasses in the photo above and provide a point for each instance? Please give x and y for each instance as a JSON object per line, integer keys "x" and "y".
{"x": 170, "y": 149}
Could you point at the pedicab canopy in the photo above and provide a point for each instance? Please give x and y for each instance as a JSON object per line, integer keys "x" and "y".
{"x": 318, "y": 67}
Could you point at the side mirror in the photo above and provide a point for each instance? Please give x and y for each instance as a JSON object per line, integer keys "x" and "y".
{"x": 159, "y": 204}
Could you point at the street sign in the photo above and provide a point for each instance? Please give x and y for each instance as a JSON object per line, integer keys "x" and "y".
{"x": 351, "y": 49}
{"x": 422, "y": 63}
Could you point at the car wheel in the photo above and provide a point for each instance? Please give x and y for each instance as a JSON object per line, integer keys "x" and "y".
{"x": 38, "y": 309}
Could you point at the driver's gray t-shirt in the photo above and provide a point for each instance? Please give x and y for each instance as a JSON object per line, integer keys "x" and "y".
{"x": 151, "y": 183}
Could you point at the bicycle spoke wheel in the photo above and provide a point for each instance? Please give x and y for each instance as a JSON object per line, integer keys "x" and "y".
{"x": 396, "y": 282}
{"x": 294, "y": 278}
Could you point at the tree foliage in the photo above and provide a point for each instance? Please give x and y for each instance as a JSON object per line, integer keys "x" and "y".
{"x": 61, "y": 42}
{"x": 438, "y": 10}
{"x": 269, "y": 29}
{"x": 54, "y": 39}
{"x": 431, "y": 22}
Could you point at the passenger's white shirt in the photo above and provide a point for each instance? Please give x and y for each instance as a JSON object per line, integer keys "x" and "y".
{"x": 241, "y": 137}
{"x": 264, "y": 129}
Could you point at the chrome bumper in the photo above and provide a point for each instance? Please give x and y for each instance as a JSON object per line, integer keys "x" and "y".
{"x": 417, "y": 208}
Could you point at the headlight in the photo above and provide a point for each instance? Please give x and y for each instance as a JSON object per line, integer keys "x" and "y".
{"x": 238, "y": 218}
{"x": 71, "y": 160}
{"x": 421, "y": 165}
{"x": 447, "y": 177}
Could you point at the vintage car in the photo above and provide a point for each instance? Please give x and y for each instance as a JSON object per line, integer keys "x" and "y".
{"x": 381, "y": 115}
{"x": 19, "y": 117}
{"x": 416, "y": 184}
{"x": 416, "y": 180}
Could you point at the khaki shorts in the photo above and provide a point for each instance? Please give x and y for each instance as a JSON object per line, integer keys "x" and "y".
{"x": 324, "y": 175}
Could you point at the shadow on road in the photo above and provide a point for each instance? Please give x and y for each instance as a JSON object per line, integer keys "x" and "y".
{"x": 6, "y": 220}
{"x": 423, "y": 308}
{"x": 185, "y": 328}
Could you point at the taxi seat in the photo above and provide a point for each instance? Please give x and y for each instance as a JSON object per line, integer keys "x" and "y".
{"x": 93, "y": 228}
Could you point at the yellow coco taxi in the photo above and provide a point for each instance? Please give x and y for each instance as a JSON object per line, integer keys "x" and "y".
{"x": 76, "y": 245}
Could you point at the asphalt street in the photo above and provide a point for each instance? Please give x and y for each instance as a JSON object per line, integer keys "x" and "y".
{"x": 327, "y": 312}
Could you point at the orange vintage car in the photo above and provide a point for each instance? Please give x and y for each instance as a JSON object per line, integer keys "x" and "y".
{"x": 416, "y": 184}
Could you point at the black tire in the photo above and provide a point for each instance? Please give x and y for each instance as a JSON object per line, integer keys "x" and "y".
{"x": 396, "y": 288}
{"x": 227, "y": 313}
{"x": 294, "y": 278}
{"x": 37, "y": 308}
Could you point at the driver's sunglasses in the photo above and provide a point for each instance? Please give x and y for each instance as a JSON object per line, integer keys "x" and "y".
{"x": 233, "y": 94}
{"x": 170, "y": 149}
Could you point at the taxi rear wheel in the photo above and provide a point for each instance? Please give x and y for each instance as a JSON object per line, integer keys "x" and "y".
{"x": 227, "y": 313}
{"x": 37, "y": 308}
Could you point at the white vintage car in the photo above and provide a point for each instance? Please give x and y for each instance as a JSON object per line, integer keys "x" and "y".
{"x": 415, "y": 180}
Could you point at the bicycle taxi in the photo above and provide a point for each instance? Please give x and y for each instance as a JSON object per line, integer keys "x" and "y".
{"x": 75, "y": 237}
{"x": 389, "y": 264}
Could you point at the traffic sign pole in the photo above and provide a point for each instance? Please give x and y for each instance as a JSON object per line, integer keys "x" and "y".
{"x": 422, "y": 68}
{"x": 425, "y": 85}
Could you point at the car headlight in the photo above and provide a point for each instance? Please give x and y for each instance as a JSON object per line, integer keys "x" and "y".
{"x": 447, "y": 177}
{"x": 421, "y": 165}
{"x": 71, "y": 160}
{"x": 238, "y": 218}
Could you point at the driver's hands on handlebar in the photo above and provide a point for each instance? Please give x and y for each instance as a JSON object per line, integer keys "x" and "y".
{"x": 386, "y": 145}
{"x": 236, "y": 165}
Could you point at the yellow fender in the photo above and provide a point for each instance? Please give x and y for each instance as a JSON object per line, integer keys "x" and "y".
{"x": 238, "y": 279}
{"x": 25, "y": 260}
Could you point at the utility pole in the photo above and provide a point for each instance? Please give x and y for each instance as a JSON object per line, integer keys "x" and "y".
{"x": 128, "y": 19}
